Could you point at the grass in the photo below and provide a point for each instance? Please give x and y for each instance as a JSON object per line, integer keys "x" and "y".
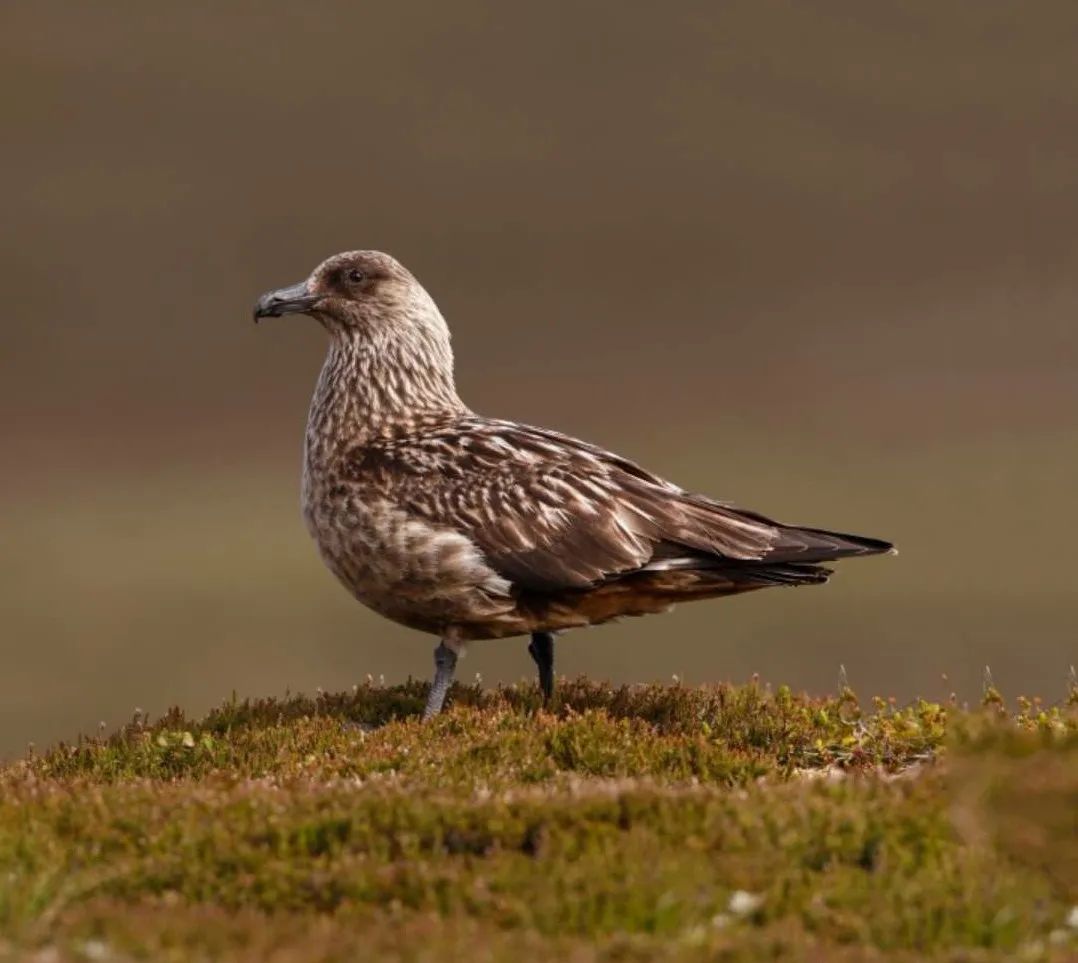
{"x": 644, "y": 823}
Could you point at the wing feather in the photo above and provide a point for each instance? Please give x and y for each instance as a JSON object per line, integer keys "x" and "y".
{"x": 549, "y": 512}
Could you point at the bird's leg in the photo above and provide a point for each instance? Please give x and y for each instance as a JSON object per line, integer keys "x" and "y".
{"x": 445, "y": 664}
{"x": 542, "y": 650}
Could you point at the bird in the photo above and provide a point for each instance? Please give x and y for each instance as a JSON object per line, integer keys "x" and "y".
{"x": 470, "y": 528}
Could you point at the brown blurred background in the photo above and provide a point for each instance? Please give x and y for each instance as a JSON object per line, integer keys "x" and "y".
{"x": 821, "y": 260}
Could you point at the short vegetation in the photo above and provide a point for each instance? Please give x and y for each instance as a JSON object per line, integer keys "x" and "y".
{"x": 656, "y": 822}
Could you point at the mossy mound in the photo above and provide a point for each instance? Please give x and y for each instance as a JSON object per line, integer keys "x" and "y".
{"x": 643, "y": 823}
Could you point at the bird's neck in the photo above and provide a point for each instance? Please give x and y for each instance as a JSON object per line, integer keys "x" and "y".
{"x": 374, "y": 388}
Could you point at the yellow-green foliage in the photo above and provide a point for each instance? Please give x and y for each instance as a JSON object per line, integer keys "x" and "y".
{"x": 656, "y": 822}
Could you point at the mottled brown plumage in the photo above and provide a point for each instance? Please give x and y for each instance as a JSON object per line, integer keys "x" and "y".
{"x": 472, "y": 528}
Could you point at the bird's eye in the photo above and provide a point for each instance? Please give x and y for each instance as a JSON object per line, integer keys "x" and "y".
{"x": 355, "y": 275}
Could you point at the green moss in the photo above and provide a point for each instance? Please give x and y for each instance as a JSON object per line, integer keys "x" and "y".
{"x": 722, "y": 734}
{"x": 618, "y": 827}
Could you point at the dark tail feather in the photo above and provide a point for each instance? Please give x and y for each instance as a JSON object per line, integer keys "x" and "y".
{"x": 819, "y": 545}
{"x": 741, "y": 576}
{"x": 798, "y": 544}
{"x": 791, "y": 574}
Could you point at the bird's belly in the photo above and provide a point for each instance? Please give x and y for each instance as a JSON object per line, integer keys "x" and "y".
{"x": 405, "y": 568}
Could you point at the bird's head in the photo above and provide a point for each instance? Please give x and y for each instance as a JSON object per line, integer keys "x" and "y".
{"x": 387, "y": 338}
{"x": 355, "y": 292}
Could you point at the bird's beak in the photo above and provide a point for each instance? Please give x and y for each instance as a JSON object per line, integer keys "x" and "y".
{"x": 296, "y": 299}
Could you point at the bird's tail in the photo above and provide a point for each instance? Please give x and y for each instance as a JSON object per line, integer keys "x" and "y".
{"x": 796, "y": 543}
{"x": 819, "y": 545}
{"x": 793, "y": 573}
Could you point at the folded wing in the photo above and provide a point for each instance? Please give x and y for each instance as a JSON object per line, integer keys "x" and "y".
{"x": 551, "y": 513}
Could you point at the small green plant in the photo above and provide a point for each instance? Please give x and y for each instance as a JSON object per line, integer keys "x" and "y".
{"x": 629, "y": 823}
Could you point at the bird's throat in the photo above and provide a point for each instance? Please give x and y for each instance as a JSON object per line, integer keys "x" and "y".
{"x": 368, "y": 391}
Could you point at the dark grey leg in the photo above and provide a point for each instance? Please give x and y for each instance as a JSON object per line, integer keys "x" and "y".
{"x": 445, "y": 664}
{"x": 542, "y": 650}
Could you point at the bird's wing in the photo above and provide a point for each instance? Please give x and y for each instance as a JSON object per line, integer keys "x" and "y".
{"x": 549, "y": 512}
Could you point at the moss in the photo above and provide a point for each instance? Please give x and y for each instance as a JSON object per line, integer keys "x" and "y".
{"x": 721, "y": 733}
{"x": 620, "y": 826}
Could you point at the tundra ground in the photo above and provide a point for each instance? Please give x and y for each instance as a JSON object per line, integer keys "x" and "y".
{"x": 644, "y": 823}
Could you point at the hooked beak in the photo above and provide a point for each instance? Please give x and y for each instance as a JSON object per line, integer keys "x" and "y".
{"x": 296, "y": 299}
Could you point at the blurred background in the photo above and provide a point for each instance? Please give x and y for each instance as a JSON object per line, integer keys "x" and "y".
{"x": 820, "y": 261}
